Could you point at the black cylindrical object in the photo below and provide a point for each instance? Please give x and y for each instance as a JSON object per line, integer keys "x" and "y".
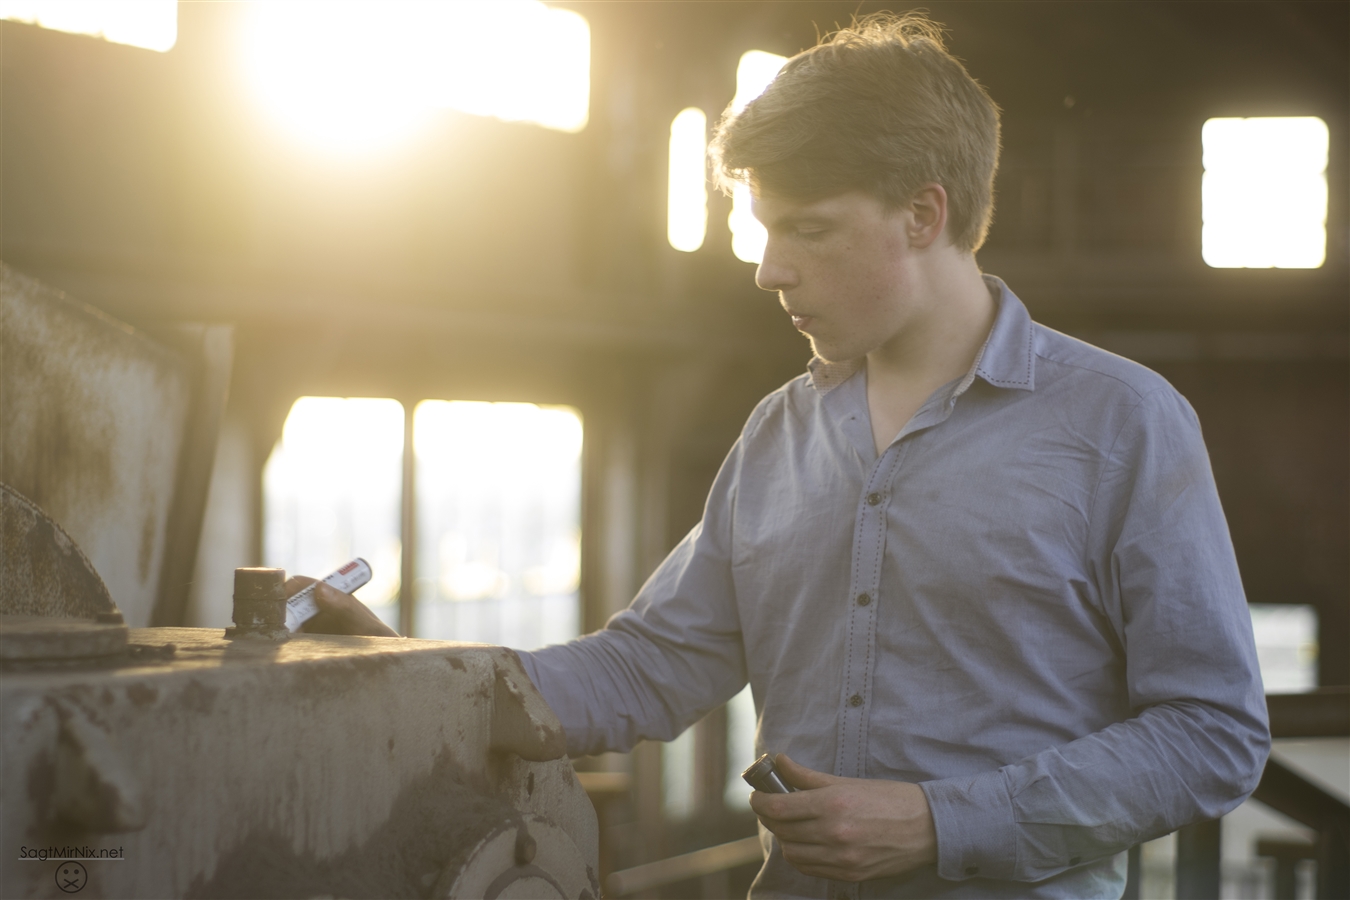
{"x": 763, "y": 777}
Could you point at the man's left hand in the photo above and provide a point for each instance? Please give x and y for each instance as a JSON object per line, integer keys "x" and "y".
{"x": 848, "y": 829}
{"x": 339, "y": 613}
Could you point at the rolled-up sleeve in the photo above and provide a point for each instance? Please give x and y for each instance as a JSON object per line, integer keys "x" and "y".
{"x": 1165, "y": 577}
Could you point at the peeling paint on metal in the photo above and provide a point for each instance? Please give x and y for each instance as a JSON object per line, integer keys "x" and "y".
{"x": 94, "y": 420}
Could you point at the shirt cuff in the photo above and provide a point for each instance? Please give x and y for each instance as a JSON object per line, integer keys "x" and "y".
{"x": 976, "y": 830}
{"x": 527, "y": 663}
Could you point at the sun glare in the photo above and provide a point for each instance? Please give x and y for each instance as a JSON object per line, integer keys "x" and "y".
{"x": 748, "y": 238}
{"x": 1264, "y": 193}
{"x": 687, "y": 195}
{"x": 151, "y": 24}
{"x": 356, "y": 74}
{"x": 498, "y": 522}
{"x": 753, "y": 73}
{"x": 333, "y": 490}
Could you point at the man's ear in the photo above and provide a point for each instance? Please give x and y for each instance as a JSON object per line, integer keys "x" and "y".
{"x": 928, "y": 216}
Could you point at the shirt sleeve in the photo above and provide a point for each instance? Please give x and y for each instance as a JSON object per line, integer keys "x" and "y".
{"x": 662, "y": 664}
{"x": 1161, "y": 561}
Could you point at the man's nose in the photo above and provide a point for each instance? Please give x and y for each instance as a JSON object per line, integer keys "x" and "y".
{"x": 774, "y": 273}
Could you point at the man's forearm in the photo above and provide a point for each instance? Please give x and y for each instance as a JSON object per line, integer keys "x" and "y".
{"x": 619, "y": 686}
{"x": 1174, "y": 764}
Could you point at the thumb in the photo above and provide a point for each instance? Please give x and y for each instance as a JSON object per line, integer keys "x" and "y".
{"x": 800, "y": 776}
{"x": 328, "y": 597}
{"x": 297, "y": 583}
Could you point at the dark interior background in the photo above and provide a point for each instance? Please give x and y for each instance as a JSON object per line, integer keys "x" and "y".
{"x": 486, "y": 260}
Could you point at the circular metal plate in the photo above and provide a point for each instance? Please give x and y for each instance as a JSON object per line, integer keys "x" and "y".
{"x": 554, "y": 869}
{"x": 43, "y": 637}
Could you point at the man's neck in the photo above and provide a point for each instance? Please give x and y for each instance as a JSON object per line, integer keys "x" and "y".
{"x": 954, "y": 313}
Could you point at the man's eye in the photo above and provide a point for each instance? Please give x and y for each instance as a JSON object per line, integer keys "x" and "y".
{"x": 810, "y": 232}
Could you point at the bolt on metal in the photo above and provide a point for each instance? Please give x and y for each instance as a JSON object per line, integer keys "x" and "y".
{"x": 259, "y": 604}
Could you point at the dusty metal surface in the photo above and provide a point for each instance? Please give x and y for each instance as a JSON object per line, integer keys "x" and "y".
{"x": 42, "y": 571}
{"x": 94, "y": 418}
{"x": 322, "y": 766}
{"x": 25, "y": 639}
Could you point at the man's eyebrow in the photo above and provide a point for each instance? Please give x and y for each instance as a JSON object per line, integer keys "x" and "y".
{"x": 795, "y": 219}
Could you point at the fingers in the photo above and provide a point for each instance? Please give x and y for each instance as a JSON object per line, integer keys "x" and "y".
{"x": 327, "y": 597}
{"x": 809, "y": 831}
{"x": 813, "y": 861}
{"x": 780, "y": 807}
{"x": 797, "y": 807}
{"x": 339, "y": 613}
{"x": 803, "y": 804}
{"x": 324, "y": 622}
{"x": 800, "y": 777}
{"x": 818, "y": 856}
{"x": 853, "y": 829}
{"x": 344, "y": 614}
{"x": 297, "y": 583}
{"x": 807, "y": 817}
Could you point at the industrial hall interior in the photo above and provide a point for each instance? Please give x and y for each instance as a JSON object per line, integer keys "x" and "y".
{"x": 671, "y": 449}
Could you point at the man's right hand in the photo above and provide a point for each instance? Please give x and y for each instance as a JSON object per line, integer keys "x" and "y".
{"x": 339, "y": 613}
{"x": 848, "y": 829}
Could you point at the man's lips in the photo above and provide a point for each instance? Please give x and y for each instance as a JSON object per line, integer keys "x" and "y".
{"x": 801, "y": 323}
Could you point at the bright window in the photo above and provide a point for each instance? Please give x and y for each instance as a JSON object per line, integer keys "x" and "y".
{"x": 498, "y": 522}
{"x": 1264, "y": 194}
{"x": 754, "y": 72}
{"x": 678, "y": 765}
{"x": 152, "y": 24}
{"x": 677, "y": 777}
{"x": 356, "y": 74}
{"x": 1286, "y": 646}
{"x": 332, "y": 491}
{"x": 741, "y": 727}
{"x": 687, "y": 193}
{"x": 748, "y": 238}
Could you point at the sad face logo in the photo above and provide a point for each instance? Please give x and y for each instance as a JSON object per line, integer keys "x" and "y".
{"x": 71, "y": 877}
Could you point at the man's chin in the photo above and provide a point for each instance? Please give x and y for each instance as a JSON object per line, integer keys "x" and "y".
{"x": 828, "y": 354}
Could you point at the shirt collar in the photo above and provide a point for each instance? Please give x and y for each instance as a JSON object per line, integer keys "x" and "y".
{"x": 826, "y": 376}
{"x": 1006, "y": 359}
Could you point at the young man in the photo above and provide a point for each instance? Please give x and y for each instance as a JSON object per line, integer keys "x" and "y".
{"x": 975, "y": 571}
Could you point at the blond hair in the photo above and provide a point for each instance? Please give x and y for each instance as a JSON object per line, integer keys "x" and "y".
{"x": 880, "y": 106}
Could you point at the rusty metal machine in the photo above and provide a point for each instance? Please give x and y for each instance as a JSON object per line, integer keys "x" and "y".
{"x": 182, "y": 762}
{"x": 173, "y": 762}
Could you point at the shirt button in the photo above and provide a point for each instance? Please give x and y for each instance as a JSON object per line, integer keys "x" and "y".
{"x": 855, "y": 700}
{"x": 873, "y": 498}
{"x": 864, "y": 599}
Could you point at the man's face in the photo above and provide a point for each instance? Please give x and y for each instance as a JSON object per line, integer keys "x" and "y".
{"x": 843, "y": 269}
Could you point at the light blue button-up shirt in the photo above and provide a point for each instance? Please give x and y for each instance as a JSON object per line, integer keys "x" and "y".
{"x": 1028, "y": 604}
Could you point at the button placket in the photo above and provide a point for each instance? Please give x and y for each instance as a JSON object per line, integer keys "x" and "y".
{"x": 843, "y": 890}
{"x": 869, "y": 548}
